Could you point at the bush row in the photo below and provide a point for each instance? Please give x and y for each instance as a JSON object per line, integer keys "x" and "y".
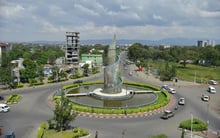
{"x": 41, "y": 130}
{"x": 14, "y": 98}
{"x": 36, "y": 84}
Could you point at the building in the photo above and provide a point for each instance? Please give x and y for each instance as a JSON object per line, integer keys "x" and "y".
{"x": 95, "y": 58}
{"x": 72, "y": 49}
{"x": 4, "y": 48}
{"x": 204, "y": 43}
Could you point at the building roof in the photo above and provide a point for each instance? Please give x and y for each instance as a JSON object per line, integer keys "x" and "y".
{"x": 3, "y": 44}
{"x": 95, "y": 55}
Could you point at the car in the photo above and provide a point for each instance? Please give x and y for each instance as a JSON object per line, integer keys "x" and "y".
{"x": 171, "y": 90}
{"x": 211, "y": 89}
{"x": 4, "y": 108}
{"x": 167, "y": 114}
{"x": 165, "y": 87}
{"x": 181, "y": 101}
{"x": 205, "y": 98}
{"x": 212, "y": 82}
{"x": 10, "y": 134}
{"x": 78, "y": 81}
{"x": 1, "y": 97}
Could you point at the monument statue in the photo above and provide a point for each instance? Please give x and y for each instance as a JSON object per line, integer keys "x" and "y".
{"x": 112, "y": 78}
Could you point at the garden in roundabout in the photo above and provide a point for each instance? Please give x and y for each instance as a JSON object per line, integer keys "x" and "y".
{"x": 163, "y": 99}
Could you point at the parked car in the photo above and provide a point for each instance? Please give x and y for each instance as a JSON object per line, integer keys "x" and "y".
{"x": 78, "y": 81}
{"x": 211, "y": 89}
{"x": 212, "y": 82}
{"x": 10, "y": 134}
{"x": 205, "y": 98}
{"x": 4, "y": 108}
{"x": 167, "y": 114}
{"x": 181, "y": 101}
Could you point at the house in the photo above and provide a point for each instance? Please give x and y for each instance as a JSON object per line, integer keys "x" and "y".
{"x": 95, "y": 58}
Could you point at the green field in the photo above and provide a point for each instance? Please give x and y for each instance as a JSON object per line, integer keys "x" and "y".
{"x": 200, "y": 74}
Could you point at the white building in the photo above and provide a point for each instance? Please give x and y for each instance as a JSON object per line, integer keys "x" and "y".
{"x": 204, "y": 43}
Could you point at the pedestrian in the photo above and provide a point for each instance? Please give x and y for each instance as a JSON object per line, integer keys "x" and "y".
{"x": 96, "y": 134}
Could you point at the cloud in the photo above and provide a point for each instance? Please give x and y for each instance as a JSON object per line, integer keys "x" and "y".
{"x": 157, "y": 17}
{"x": 95, "y": 19}
{"x": 11, "y": 10}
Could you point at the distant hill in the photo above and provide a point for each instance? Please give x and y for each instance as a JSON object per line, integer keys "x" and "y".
{"x": 167, "y": 41}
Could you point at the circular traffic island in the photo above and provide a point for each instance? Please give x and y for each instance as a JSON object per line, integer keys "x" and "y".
{"x": 135, "y": 98}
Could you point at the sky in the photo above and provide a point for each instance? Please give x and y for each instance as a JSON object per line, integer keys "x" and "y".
{"x": 34, "y": 20}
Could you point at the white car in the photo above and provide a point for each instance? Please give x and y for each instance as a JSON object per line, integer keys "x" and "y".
{"x": 205, "y": 98}
{"x": 4, "y": 108}
{"x": 181, "y": 101}
{"x": 212, "y": 82}
{"x": 171, "y": 90}
{"x": 211, "y": 89}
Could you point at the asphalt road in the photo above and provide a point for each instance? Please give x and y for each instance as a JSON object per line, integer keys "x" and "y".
{"x": 26, "y": 116}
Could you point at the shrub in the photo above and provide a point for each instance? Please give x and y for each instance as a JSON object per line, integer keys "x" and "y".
{"x": 197, "y": 125}
{"x": 159, "y": 136}
{"x": 41, "y": 130}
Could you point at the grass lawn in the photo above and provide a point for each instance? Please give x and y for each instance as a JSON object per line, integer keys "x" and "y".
{"x": 53, "y": 134}
{"x": 74, "y": 133}
{"x": 200, "y": 73}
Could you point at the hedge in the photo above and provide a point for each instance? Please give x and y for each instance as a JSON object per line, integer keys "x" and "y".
{"x": 14, "y": 98}
{"x": 197, "y": 125}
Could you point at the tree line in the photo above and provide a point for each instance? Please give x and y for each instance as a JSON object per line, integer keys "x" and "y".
{"x": 143, "y": 54}
{"x": 34, "y": 56}
{"x": 210, "y": 54}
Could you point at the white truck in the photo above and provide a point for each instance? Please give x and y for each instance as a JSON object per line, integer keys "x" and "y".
{"x": 4, "y": 107}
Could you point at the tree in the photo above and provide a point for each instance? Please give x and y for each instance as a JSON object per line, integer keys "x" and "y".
{"x": 85, "y": 68}
{"x": 63, "y": 114}
{"x": 167, "y": 72}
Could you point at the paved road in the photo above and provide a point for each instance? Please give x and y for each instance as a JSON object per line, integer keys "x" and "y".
{"x": 25, "y": 117}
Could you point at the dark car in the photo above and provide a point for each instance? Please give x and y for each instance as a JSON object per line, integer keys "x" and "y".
{"x": 167, "y": 114}
{"x": 78, "y": 81}
{"x": 10, "y": 134}
{"x": 1, "y": 97}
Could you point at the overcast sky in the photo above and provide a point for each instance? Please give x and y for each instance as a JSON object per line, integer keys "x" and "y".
{"x": 30, "y": 20}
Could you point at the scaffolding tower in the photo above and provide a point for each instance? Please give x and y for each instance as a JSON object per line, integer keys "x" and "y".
{"x": 72, "y": 49}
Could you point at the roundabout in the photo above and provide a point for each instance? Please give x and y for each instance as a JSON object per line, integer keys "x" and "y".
{"x": 146, "y": 100}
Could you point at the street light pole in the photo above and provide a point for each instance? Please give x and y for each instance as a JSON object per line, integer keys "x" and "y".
{"x": 191, "y": 124}
{"x": 195, "y": 77}
{"x": 207, "y": 118}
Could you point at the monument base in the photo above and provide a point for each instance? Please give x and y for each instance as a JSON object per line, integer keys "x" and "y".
{"x": 124, "y": 94}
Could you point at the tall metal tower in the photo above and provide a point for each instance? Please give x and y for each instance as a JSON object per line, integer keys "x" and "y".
{"x": 72, "y": 49}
